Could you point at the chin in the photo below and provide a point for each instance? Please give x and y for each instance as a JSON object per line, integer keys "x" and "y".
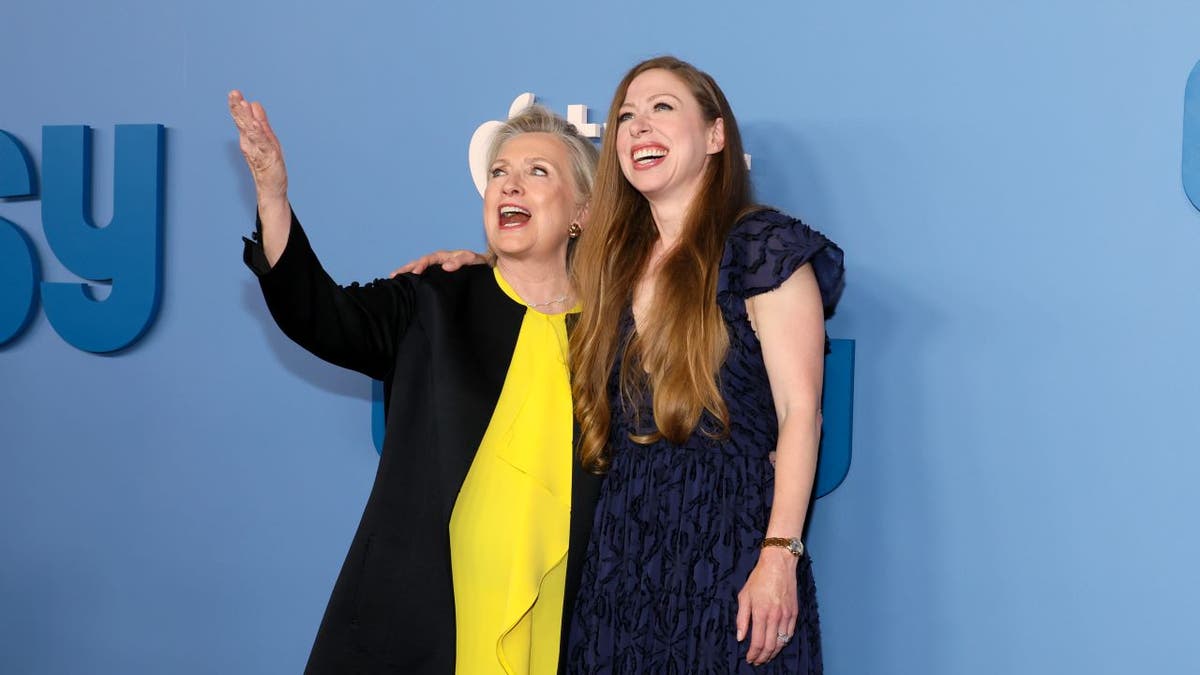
{"x": 646, "y": 185}
{"x": 649, "y": 191}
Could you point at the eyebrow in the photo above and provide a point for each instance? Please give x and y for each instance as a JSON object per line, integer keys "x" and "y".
{"x": 531, "y": 160}
{"x": 627, "y": 104}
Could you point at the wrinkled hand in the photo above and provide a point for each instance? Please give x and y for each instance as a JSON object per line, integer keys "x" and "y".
{"x": 260, "y": 147}
{"x": 449, "y": 260}
{"x": 768, "y": 605}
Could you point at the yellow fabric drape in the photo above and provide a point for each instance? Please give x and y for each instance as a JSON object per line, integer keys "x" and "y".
{"x": 511, "y": 522}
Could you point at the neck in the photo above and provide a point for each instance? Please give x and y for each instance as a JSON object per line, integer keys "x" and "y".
{"x": 669, "y": 213}
{"x": 544, "y": 287}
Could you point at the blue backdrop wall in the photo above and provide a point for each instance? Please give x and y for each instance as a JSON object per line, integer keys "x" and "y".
{"x": 1006, "y": 181}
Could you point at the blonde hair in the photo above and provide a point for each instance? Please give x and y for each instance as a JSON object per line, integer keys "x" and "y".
{"x": 677, "y": 355}
{"x": 537, "y": 119}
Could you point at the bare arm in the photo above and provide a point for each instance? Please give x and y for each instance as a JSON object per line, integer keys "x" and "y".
{"x": 790, "y": 324}
{"x": 264, "y": 156}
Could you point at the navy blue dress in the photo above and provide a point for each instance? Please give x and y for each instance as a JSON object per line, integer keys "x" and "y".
{"x": 678, "y": 526}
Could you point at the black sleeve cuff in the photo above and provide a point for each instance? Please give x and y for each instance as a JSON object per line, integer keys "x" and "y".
{"x": 256, "y": 258}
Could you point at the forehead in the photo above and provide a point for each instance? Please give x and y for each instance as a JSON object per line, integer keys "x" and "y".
{"x": 533, "y": 144}
{"x": 657, "y": 81}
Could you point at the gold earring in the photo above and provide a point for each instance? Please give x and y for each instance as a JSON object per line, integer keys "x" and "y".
{"x": 574, "y": 231}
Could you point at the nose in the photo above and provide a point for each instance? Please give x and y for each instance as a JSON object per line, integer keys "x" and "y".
{"x": 637, "y": 126}
{"x": 512, "y": 184}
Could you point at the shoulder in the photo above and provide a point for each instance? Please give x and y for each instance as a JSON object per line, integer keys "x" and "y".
{"x": 763, "y": 218}
{"x": 467, "y": 274}
{"x": 465, "y": 278}
{"x": 766, "y": 246}
{"x": 471, "y": 289}
{"x": 768, "y": 224}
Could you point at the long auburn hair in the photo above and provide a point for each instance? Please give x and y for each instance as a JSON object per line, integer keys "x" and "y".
{"x": 677, "y": 352}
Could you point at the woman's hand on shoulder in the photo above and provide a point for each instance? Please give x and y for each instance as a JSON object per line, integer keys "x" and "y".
{"x": 449, "y": 260}
{"x": 768, "y": 605}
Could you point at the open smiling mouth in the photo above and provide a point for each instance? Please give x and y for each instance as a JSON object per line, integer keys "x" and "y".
{"x": 648, "y": 156}
{"x": 512, "y": 215}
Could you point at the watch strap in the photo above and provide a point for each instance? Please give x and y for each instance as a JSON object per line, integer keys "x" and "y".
{"x": 793, "y": 544}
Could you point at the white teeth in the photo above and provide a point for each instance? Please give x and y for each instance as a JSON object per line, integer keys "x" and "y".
{"x": 644, "y": 154}
{"x": 509, "y": 210}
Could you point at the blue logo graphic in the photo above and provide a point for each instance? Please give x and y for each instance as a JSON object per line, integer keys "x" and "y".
{"x": 18, "y": 262}
{"x": 127, "y": 253}
{"x": 837, "y": 403}
{"x": 1191, "y": 137}
{"x": 837, "y": 424}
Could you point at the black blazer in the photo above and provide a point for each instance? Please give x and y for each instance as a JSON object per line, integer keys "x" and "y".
{"x": 442, "y": 343}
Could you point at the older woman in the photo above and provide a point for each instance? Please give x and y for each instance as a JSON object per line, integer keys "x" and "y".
{"x": 460, "y": 562}
{"x": 698, "y": 357}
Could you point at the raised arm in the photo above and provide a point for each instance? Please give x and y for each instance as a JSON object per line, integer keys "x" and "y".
{"x": 264, "y": 156}
{"x": 357, "y": 327}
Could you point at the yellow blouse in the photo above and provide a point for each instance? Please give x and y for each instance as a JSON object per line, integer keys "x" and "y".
{"x": 511, "y": 522}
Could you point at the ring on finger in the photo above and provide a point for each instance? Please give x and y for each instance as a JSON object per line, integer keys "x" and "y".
{"x": 783, "y": 638}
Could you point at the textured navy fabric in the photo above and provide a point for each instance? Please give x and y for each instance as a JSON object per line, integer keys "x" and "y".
{"x": 677, "y": 526}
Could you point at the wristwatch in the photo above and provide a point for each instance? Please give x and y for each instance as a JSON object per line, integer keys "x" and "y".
{"x": 793, "y": 545}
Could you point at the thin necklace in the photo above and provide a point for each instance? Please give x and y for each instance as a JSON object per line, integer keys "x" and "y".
{"x": 547, "y": 303}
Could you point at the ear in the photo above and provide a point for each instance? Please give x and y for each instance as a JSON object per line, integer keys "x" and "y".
{"x": 581, "y": 216}
{"x": 716, "y": 136}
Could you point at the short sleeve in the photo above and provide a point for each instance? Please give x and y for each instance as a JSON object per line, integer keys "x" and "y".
{"x": 765, "y": 248}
